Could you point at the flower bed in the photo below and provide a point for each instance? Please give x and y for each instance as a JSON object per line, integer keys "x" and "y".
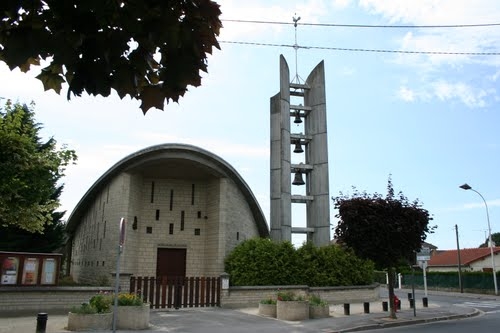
{"x": 267, "y": 307}
{"x": 318, "y": 308}
{"x": 291, "y": 307}
{"x": 132, "y": 317}
{"x": 131, "y": 313}
{"x": 86, "y": 321}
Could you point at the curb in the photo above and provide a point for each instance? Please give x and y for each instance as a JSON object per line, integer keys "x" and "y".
{"x": 475, "y": 313}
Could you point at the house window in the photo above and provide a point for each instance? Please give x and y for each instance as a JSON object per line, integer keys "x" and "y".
{"x": 171, "y": 229}
{"x": 197, "y": 231}
{"x": 149, "y": 230}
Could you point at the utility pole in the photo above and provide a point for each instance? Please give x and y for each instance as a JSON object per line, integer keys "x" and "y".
{"x": 459, "y": 263}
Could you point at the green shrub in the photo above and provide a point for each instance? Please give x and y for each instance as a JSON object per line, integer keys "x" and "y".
{"x": 85, "y": 308}
{"x": 257, "y": 262}
{"x": 129, "y": 299}
{"x": 268, "y": 301}
{"x": 315, "y": 300}
{"x": 285, "y": 296}
{"x": 261, "y": 262}
{"x": 101, "y": 302}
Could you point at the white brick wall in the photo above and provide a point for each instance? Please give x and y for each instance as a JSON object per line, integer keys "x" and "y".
{"x": 219, "y": 211}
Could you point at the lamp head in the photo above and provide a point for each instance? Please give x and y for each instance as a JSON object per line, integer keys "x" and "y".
{"x": 465, "y": 186}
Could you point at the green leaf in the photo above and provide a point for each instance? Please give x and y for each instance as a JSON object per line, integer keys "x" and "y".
{"x": 152, "y": 97}
{"x": 51, "y": 80}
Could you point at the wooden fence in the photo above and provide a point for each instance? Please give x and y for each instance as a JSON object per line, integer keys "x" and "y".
{"x": 178, "y": 291}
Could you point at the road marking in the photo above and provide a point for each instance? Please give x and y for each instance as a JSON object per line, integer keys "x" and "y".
{"x": 485, "y": 304}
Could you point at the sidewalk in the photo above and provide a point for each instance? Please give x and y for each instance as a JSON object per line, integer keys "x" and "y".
{"x": 215, "y": 320}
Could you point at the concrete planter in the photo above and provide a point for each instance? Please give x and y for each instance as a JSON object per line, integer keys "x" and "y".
{"x": 292, "y": 310}
{"x": 84, "y": 322}
{"x": 268, "y": 310}
{"x": 318, "y": 311}
{"x": 132, "y": 317}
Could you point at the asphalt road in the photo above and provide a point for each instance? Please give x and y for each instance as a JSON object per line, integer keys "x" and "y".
{"x": 485, "y": 323}
{"x": 488, "y": 321}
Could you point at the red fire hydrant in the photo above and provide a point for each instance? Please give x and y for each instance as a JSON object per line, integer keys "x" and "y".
{"x": 397, "y": 303}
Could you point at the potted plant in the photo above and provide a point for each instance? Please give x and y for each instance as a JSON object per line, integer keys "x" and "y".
{"x": 132, "y": 312}
{"x": 318, "y": 308}
{"x": 291, "y": 307}
{"x": 95, "y": 315}
{"x": 267, "y": 307}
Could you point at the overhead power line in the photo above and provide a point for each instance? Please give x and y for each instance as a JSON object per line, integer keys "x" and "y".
{"x": 368, "y": 25}
{"x": 363, "y": 50}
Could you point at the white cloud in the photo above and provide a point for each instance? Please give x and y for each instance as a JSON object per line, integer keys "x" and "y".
{"x": 444, "y": 12}
{"x": 495, "y": 76}
{"x": 310, "y": 11}
{"x": 406, "y": 94}
{"x": 491, "y": 203}
{"x": 341, "y": 3}
{"x": 470, "y": 96}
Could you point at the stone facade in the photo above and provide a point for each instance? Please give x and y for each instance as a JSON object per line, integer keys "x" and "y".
{"x": 171, "y": 196}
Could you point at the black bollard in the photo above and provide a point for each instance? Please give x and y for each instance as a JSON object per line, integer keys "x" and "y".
{"x": 366, "y": 307}
{"x": 425, "y": 302}
{"x": 412, "y": 303}
{"x": 385, "y": 306}
{"x": 410, "y": 296}
{"x": 41, "y": 322}
{"x": 347, "y": 309}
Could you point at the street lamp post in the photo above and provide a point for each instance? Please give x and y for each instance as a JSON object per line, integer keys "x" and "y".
{"x": 467, "y": 187}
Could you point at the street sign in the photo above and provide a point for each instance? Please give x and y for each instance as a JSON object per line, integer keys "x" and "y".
{"x": 424, "y": 254}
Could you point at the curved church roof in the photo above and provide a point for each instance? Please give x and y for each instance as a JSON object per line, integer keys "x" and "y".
{"x": 178, "y": 161}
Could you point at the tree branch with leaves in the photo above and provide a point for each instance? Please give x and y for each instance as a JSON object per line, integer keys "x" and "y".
{"x": 30, "y": 170}
{"x": 150, "y": 50}
{"x": 385, "y": 230}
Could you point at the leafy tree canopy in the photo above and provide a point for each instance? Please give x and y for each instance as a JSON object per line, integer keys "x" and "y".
{"x": 259, "y": 261}
{"x": 385, "y": 230}
{"x": 495, "y": 237}
{"x": 15, "y": 239}
{"x": 30, "y": 170}
{"x": 150, "y": 50}
{"x": 382, "y": 229}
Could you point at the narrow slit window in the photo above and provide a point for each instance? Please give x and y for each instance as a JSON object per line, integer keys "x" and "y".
{"x": 171, "y": 199}
{"x": 192, "y": 194}
{"x": 157, "y": 214}
{"x": 182, "y": 220}
{"x": 104, "y": 231}
{"x": 238, "y": 235}
{"x": 199, "y": 214}
{"x": 171, "y": 229}
{"x": 152, "y": 192}
{"x": 149, "y": 230}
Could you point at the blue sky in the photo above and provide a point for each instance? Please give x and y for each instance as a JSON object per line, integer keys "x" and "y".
{"x": 429, "y": 120}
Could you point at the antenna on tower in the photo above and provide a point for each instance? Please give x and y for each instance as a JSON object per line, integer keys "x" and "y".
{"x": 296, "y": 47}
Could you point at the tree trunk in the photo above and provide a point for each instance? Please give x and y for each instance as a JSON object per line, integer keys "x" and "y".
{"x": 390, "y": 287}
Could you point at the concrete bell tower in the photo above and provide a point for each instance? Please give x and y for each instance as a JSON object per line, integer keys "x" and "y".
{"x": 300, "y": 102}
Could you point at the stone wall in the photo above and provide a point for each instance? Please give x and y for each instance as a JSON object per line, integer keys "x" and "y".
{"x": 240, "y": 297}
{"x": 32, "y": 300}
{"x": 22, "y": 300}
